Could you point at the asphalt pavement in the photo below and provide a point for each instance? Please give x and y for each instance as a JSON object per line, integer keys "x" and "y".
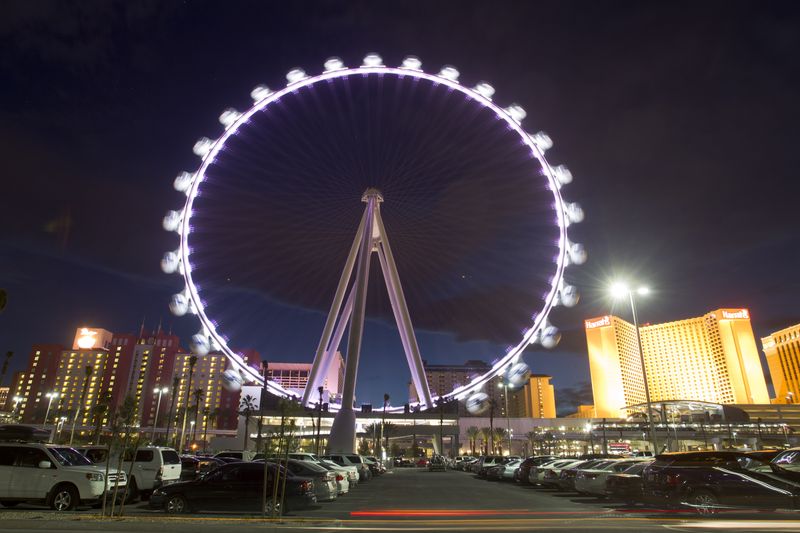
{"x": 414, "y": 500}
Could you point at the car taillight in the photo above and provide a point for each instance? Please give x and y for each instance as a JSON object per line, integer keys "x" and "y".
{"x": 672, "y": 479}
{"x": 160, "y": 474}
{"x": 339, "y": 477}
{"x": 307, "y": 486}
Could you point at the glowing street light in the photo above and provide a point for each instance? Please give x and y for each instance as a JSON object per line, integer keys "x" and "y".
{"x": 503, "y": 384}
{"x": 619, "y": 291}
{"x": 160, "y": 391}
{"x": 51, "y": 396}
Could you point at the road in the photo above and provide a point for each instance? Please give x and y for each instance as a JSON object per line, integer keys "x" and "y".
{"x": 413, "y": 500}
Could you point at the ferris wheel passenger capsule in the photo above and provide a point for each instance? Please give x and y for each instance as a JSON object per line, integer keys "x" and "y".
{"x": 577, "y": 253}
{"x": 228, "y": 117}
{"x": 333, "y": 63}
{"x": 518, "y": 374}
{"x": 485, "y": 89}
{"x": 542, "y": 140}
{"x": 179, "y": 304}
{"x": 260, "y": 92}
{"x": 170, "y": 262}
{"x": 172, "y": 221}
{"x": 412, "y": 63}
{"x": 183, "y": 182}
{"x": 574, "y": 212}
{"x": 199, "y": 344}
{"x": 569, "y": 295}
{"x": 202, "y": 146}
{"x": 232, "y": 380}
{"x": 550, "y": 337}
{"x": 372, "y": 60}
{"x": 562, "y": 174}
{"x": 516, "y": 112}
{"x": 450, "y": 73}
{"x": 477, "y": 403}
{"x": 295, "y": 75}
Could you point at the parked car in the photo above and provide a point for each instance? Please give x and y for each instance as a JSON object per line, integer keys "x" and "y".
{"x": 711, "y": 480}
{"x": 526, "y": 465}
{"x": 566, "y": 479}
{"x": 403, "y": 462}
{"x": 375, "y": 466}
{"x": 153, "y": 467}
{"x": 364, "y": 473}
{"x": 627, "y": 485}
{"x": 485, "y": 462}
{"x": 592, "y": 480}
{"x": 234, "y": 487}
{"x": 194, "y": 467}
{"x": 56, "y": 476}
{"x": 239, "y": 455}
{"x": 342, "y": 477}
{"x": 505, "y": 470}
{"x": 422, "y": 462}
{"x": 437, "y": 464}
{"x": 350, "y": 471}
{"x": 536, "y": 476}
{"x": 325, "y": 486}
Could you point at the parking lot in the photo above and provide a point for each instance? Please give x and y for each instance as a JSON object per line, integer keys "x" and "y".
{"x": 411, "y": 498}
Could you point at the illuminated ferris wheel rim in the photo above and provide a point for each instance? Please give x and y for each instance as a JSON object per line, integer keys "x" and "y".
{"x": 541, "y": 331}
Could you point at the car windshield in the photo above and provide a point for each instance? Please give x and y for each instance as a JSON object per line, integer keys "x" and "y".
{"x": 788, "y": 460}
{"x": 353, "y": 458}
{"x": 637, "y": 468}
{"x": 69, "y": 457}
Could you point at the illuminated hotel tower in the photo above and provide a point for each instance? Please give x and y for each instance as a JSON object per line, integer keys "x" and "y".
{"x": 711, "y": 358}
{"x": 782, "y": 349}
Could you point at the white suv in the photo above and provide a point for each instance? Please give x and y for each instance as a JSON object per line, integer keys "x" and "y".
{"x": 57, "y": 476}
{"x": 153, "y": 467}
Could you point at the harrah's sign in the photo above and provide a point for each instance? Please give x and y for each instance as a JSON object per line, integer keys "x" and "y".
{"x": 597, "y": 322}
{"x": 734, "y": 314}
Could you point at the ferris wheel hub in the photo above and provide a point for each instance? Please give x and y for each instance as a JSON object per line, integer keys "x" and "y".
{"x": 372, "y": 192}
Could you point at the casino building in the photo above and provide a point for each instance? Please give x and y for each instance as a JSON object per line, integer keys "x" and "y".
{"x": 712, "y": 358}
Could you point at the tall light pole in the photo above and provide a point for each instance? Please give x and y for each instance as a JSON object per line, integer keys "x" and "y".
{"x": 17, "y": 401}
{"x": 383, "y": 422}
{"x": 320, "y": 390}
{"x": 504, "y": 385}
{"x": 51, "y": 396}
{"x": 160, "y": 391}
{"x": 621, "y": 290}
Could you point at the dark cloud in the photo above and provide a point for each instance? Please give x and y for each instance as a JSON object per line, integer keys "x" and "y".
{"x": 569, "y": 398}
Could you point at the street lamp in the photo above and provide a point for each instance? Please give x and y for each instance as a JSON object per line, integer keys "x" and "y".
{"x": 504, "y": 385}
{"x": 320, "y": 390}
{"x": 160, "y": 392}
{"x": 17, "y": 400}
{"x": 51, "y": 396}
{"x": 383, "y": 423}
{"x": 619, "y": 291}
{"x": 191, "y": 433}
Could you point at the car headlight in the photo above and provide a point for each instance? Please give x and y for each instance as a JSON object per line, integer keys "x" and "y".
{"x": 94, "y": 476}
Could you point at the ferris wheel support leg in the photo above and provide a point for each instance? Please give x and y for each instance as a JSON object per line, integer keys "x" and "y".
{"x": 330, "y": 351}
{"x": 394, "y": 286}
{"x": 398, "y": 319}
{"x": 343, "y": 431}
{"x": 325, "y": 340}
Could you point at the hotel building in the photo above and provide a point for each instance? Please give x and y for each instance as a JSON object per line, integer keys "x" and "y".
{"x": 294, "y": 377}
{"x": 712, "y": 358}
{"x": 782, "y": 349}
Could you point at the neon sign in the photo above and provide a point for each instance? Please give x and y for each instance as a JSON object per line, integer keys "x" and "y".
{"x": 737, "y": 314}
{"x": 597, "y": 322}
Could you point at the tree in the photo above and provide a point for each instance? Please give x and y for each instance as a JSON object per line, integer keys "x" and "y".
{"x": 532, "y": 438}
{"x": 87, "y": 374}
{"x": 198, "y": 397}
{"x": 209, "y": 416}
{"x": 246, "y": 407}
{"x": 7, "y": 360}
{"x": 485, "y": 436}
{"x": 192, "y": 362}
{"x": 175, "y": 382}
{"x": 497, "y": 438}
{"x": 389, "y": 429}
{"x": 472, "y": 435}
{"x": 99, "y": 412}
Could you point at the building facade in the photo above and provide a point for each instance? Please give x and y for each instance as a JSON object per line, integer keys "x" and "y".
{"x": 712, "y": 358}
{"x": 294, "y": 377}
{"x": 536, "y": 399}
{"x": 39, "y": 379}
{"x": 782, "y": 349}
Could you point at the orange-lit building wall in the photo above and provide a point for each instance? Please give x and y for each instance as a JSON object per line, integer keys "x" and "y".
{"x": 782, "y": 349}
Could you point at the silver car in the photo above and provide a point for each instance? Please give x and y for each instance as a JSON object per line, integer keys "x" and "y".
{"x": 325, "y": 487}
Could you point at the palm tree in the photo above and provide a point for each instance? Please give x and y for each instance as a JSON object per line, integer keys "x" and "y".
{"x": 198, "y": 397}
{"x": 175, "y": 382}
{"x": 246, "y": 407}
{"x": 9, "y": 355}
{"x": 192, "y": 362}
{"x": 87, "y": 374}
{"x": 492, "y": 405}
{"x": 100, "y": 410}
{"x": 472, "y": 435}
{"x": 209, "y": 416}
{"x": 531, "y": 436}
{"x": 497, "y": 438}
{"x": 485, "y": 434}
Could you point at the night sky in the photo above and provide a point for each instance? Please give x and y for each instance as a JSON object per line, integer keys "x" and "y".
{"x": 678, "y": 120}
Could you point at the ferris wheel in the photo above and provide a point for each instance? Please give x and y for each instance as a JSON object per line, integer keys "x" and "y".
{"x": 306, "y": 92}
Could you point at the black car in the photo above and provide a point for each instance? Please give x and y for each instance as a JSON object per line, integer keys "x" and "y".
{"x": 708, "y": 481}
{"x": 233, "y": 487}
{"x": 194, "y": 467}
{"x": 524, "y": 470}
{"x": 626, "y": 486}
